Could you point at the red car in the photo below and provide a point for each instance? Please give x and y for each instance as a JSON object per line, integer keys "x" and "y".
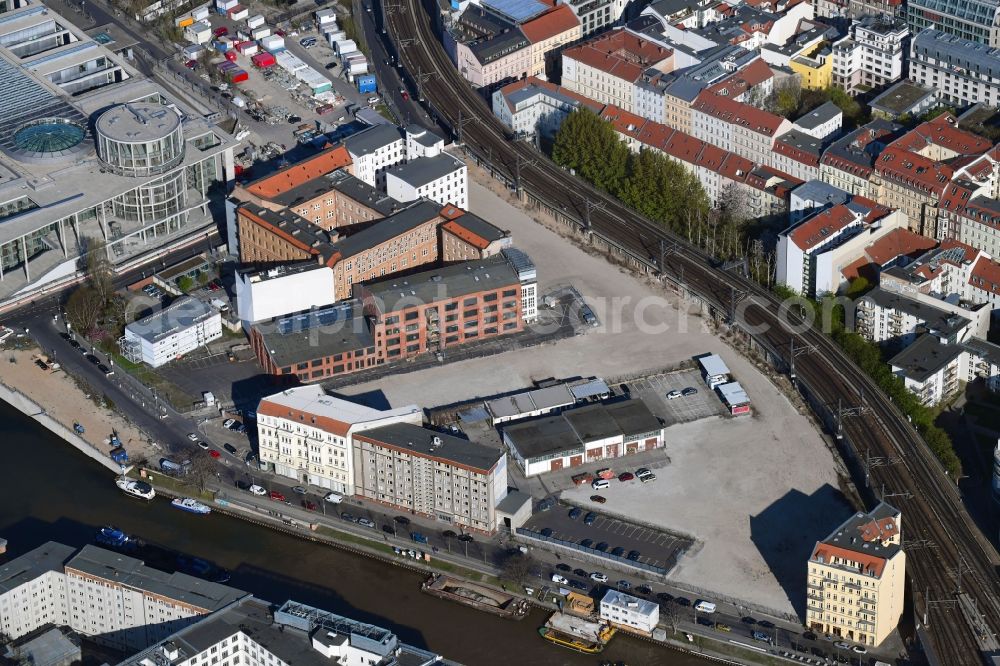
{"x": 277, "y": 497}
{"x": 191, "y": 64}
{"x": 626, "y": 476}
{"x": 309, "y": 505}
{"x": 219, "y": 32}
{"x": 279, "y": 33}
{"x": 214, "y": 453}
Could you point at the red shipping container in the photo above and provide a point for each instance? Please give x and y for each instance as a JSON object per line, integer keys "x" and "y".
{"x": 231, "y": 56}
{"x": 263, "y": 59}
{"x": 239, "y": 76}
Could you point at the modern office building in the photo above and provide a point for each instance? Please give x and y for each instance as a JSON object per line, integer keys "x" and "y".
{"x": 176, "y": 330}
{"x": 306, "y": 435}
{"x": 115, "y": 600}
{"x": 91, "y": 149}
{"x": 856, "y": 578}
{"x": 443, "y": 179}
{"x": 431, "y": 474}
{"x": 963, "y": 70}
{"x": 257, "y": 633}
{"x": 973, "y": 20}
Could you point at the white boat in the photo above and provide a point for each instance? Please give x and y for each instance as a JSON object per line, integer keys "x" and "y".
{"x": 191, "y": 505}
{"x": 135, "y": 488}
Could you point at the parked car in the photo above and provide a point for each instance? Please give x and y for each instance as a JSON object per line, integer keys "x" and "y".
{"x": 365, "y": 522}
{"x": 219, "y": 32}
{"x": 228, "y": 423}
{"x": 719, "y": 626}
{"x": 690, "y": 390}
{"x": 602, "y": 546}
{"x": 105, "y": 369}
{"x": 257, "y": 490}
{"x": 633, "y": 555}
{"x": 277, "y": 496}
{"x": 562, "y": 580}
{"x": 191, "y": 64}
{"x": 673, "y": 395}
{"x": 579, "y": 585}
{"x": 624, "y": 585}
{"x": 589, "y": 518}
{"x": 562, "y": 566}
{"x": 618, "y": 551}
{"x": 626, "y": 476}
{"x": 644, "y": 589}
{"x": 546, "y": 504}
{"x": 308, "y": 504}
{"x": 546, "y": 531}
{"x": 587, "y": 543}
{"x": 192, "y": 436}
{"x": 599, "y": 577}
{"x": 579, "y": 572}
{"x": 230, "y": 448}
{"x": 600, "y": 499}
{"x": 761, "y": 636}
{"x": 202, "y": 444}
{"x": 860, "y": 649}
{"x": 575, "y": 512}
{"x": 348, "y": 517}
{"x": 214, "y": 454}
{"x": 299, "y": 490}
{"x": 333, "y": 498}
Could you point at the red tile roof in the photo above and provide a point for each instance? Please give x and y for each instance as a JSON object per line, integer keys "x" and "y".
{"x": 821, "y": 226}
{"x": 735, "y": 85}
{"x": 325, "y": 423}
{"x": 913, "y": 171}
{"x": 277, "y": 231}
{"x": 870, "y": 564}
{"x": 898, "y": 243}
{"x": 960, "y": 199}
{"x": 624, "y": 122}
{"x": 554, "y": 22}
{"x": 737, "y": 113}
{"x": 535, "y": 82}
{"x": 879, "y": 530}
{"x": 456, "y": 228}
{"x": 943, "y": 131}
{"x": 985, "y": 275}
{"x": 300, "y": 173}
{"x": 621, "y": 53}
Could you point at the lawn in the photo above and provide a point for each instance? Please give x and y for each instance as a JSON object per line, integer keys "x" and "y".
{"x": 167, "y": 390}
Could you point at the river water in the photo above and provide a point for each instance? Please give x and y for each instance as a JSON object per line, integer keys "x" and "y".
{"x": 48, "y": 491}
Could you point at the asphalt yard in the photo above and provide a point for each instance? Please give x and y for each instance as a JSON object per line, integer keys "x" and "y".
{"x": 611, "y": 535}
{"x": 653, "y": 391}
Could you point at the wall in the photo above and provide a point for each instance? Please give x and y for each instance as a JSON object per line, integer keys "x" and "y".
{"x": 275, "y": 297}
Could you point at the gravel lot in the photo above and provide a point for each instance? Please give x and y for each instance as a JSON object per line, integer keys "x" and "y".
{"x": 755, "y": 492}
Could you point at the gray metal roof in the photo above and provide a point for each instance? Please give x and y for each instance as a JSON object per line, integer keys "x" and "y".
{"x": 372, "y": 139}
{"x": 823, "y": 113}
{"x": 295, "y": 339}
{"x": 500, "y": 45}
{"x": 956, "y": 53}
{"x": 422, "y": 135}
{"x": 938, "y": 320}
{"x": 926, "y": 356}
{"x": 802, "y": 141}
{"x": 425, "y": 170}
{"x": 181, "y": 314}
{"x": 821, "y": 191}
{"x": 388, "y": 228}
{"x": 849, "y": 534}
{"x": 983, "y": 348}
{"x": 50, "y": 556}
{"x": 363, "y": 193}
{"x": 481, "y": 227}
{"x": 548, "y": 436}
{"x": 733, "y": 393}
{"x": 855, "y": 148}
{"x": 420, "y": 441}
{"x": 134, "y": 573}
{"x": 630, "y": 603}
{"x": 442, "y": 284}
{"x": 137, "y": 122}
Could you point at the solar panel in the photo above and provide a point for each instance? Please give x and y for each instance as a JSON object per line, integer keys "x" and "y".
{"x": 517, "y": 10}
{"x": 304, "y": 322}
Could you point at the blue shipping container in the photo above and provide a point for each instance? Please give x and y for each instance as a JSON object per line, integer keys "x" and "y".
{"x": 366, "y": 83}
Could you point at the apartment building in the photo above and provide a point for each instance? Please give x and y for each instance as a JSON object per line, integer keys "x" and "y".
{"x": 629, "y": 613}
{"x": 258, "y": 633}
{"x": 347, "y": 203}
{"x": 972, "y": 20}
{"x": 812, "y": 254}
{"x": 466, "y": 237}
{"x": 274, "y": 292}
{"x": 856, "y": 578}
{"x": 814, "y": 65}
{"x": 178, "y": 329}
{"x": 898, "y": 247}
{"x": 547, "y": 34}
{"x": 374, "y": 150}
{"x": 595, "y": 15}
{"x": 436, "y": 309}
{"x": 889, "y": 317}
{"x": 961, "y": 69}
{"x": 823, "y": 122}
{"x": 930, "y": 368}
{"x": 264, "y": 191}
{"x": 487, "y": 46}
{"x": 969, "y": 217}
{"x": 306, "y": 435}
{"x": 849, "y": 162}
{"x": 115, "y": 600}
{"x": 889, "y": 9}
{"x": 797, "y": 154}
{"x": 736, "y": 127}
{"x": 441, "y": 178}
{"x": 431, "y": 474}
{"x": 606, "y": 68}
{"x": 912, "y": 183}
{"x": 267, "y": 236}
{"x": 534, "y": 108}
{"x": 872, "y": 55}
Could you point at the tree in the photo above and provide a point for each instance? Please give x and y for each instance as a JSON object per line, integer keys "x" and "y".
{"x": 662, "y": 190}
{"x": 854, "y": 113}
{"x": 83, "y": 308}
{"x": 203, "y": 278}
{"x": 100, "y": 274}
{"x": 185, "y": 283}
{"x": 517, "y": 566}
{"x": 784, "y": 101}
{"x": 858, "y": 287}
{"x": 588, "y": 144}
{"x": 202, "y": 469}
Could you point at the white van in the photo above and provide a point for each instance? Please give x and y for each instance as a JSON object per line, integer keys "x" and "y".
{"x": 600, "y": 484}
{"x": 704, "y": 606}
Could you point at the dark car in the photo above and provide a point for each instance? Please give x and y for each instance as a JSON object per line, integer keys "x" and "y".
{"x": 681, "y": 601}
{"x": 602, "y": 546}
{"x": 230, "y": 448}
{"x": 388, "y": 529}
{"x": 624, "y": 584}
{"x": 580, "y": 572}
{"x": 294, "y": 119}
{"x": 105, "y": 369}
{"x": 748, "y": 620}
{"x": 633, "y": 555}
{"x": 644, "y": 589}
{"x": 600, "y": 499}
{"x": 766, "y": 624}
{"x": 330, "y": 65}
{"x": 587, "y": 543}
{"x": 579, "y": 585}
{"x": 41, "y": 364}
{"x": 690, "y": 390}
{"x": 626, "y": 476}
{"x": 465, "y": 537}
{"x": 74, "y": 344}
{"x": 562, "y": 566}
{"x": 575, "y": 512}
{"x": 93, "y": 359}
{"x": 309, "y": 504}
{"x": 546, "y": 532}
{"x": 402, "y": 520}
{"x": 589, "y": 518}
{"x": 348, "y": 517}
{"x": 625, "y": 389}
{"x": 546, "y": 504}
{"x": 665, "y": 596}
{"x": 242, "y": 485}
{"x": 618, "y": 550}
{"x": 705, "y": 622}
{"x": 809, "y": 636}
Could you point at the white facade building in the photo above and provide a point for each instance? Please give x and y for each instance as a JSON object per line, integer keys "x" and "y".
{"x": 872, "y": 56}
{"x": 532, "y": 107}
{"x": 630, "y": 612}
{"x": 963, "y": 71}
{"x": 174, "y": 331}
{"x": 595, "y": 15}
{"x": 283, "y": 290}
{"x": 442, "y": 178}
{"x": 33, "y": 590}
{"x": 305, "y": 434}
{"x": 374, "y": 150}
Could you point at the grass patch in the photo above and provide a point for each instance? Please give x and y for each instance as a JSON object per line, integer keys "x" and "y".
{"x": 167, "y": 390}
{"x": 173, "y": 485}
{"x": 744, "y": 656}
{"x": 384, "y": 111}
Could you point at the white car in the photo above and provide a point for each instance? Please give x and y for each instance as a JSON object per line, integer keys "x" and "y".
{"x": 556, "y": 578}
{"x": 334, "y": 498}
{"x": 673, "y": 395}
{"x": 228, "y": 423}
{"x": 860, "y": 649}
{"x": 366, "y": 522}
{"x": 193, "y": 437}
{"x": 599, "y": 577}
{"x": 257, "y": 490}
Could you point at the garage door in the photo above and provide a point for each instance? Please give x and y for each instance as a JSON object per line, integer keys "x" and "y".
{"x": 575, "y": 461}
{"x": 556, "y": 464}
{"x": 611, "y": 450}
{"x": 631, "y": 447}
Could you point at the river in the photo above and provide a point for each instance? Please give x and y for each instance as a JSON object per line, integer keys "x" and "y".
{"x": 51, "y": 492}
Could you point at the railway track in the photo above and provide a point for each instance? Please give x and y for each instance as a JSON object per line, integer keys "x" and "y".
{"x": 952, "y": 549}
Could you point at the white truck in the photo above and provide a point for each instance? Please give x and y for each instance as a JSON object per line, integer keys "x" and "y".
{"x": 704, "y": 606}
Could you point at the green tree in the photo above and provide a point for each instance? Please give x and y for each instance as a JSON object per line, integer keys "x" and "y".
{"x": 854, "y": 113}
{"x": 858, "y": 287}
{"x": 588, "y": 144}
{"x": 185, "y": 283}
{"x": 203, "y": 278}
{"x": 662, "y": 190}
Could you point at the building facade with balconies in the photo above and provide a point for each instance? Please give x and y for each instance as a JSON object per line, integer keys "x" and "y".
{"x": 856, "y": 578}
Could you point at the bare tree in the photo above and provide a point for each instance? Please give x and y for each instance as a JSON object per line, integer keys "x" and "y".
{"x": 83, "y": 308}
{"x": 517, "y": 566}
{"x": 202, "y": 469}
{"x": 99, "y": 270}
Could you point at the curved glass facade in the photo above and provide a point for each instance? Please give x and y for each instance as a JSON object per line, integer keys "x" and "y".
{"x": 142, "y": 158}
{"x": 155, "y": 200}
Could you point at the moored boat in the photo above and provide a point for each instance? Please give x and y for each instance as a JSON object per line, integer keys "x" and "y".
{"x": 576, "y": 633}
{"x": 191, "y": 505}
{"x": 112, "y": 537}
{"x": 135, "y": 488}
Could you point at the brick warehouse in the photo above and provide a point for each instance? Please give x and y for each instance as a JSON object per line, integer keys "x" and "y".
{"x": 397, "y": 319}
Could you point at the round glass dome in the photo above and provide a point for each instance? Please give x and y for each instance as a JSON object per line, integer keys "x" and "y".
{"x": 49, "y": 136}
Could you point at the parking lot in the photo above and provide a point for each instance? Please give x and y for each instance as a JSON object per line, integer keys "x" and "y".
{"x": 655, "y": 547}
{"x": 653, "y": 391}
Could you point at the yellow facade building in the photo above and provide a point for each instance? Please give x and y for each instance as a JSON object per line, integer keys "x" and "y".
{"x": 856, "y": 578}
{"x": 814, "y": 64}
